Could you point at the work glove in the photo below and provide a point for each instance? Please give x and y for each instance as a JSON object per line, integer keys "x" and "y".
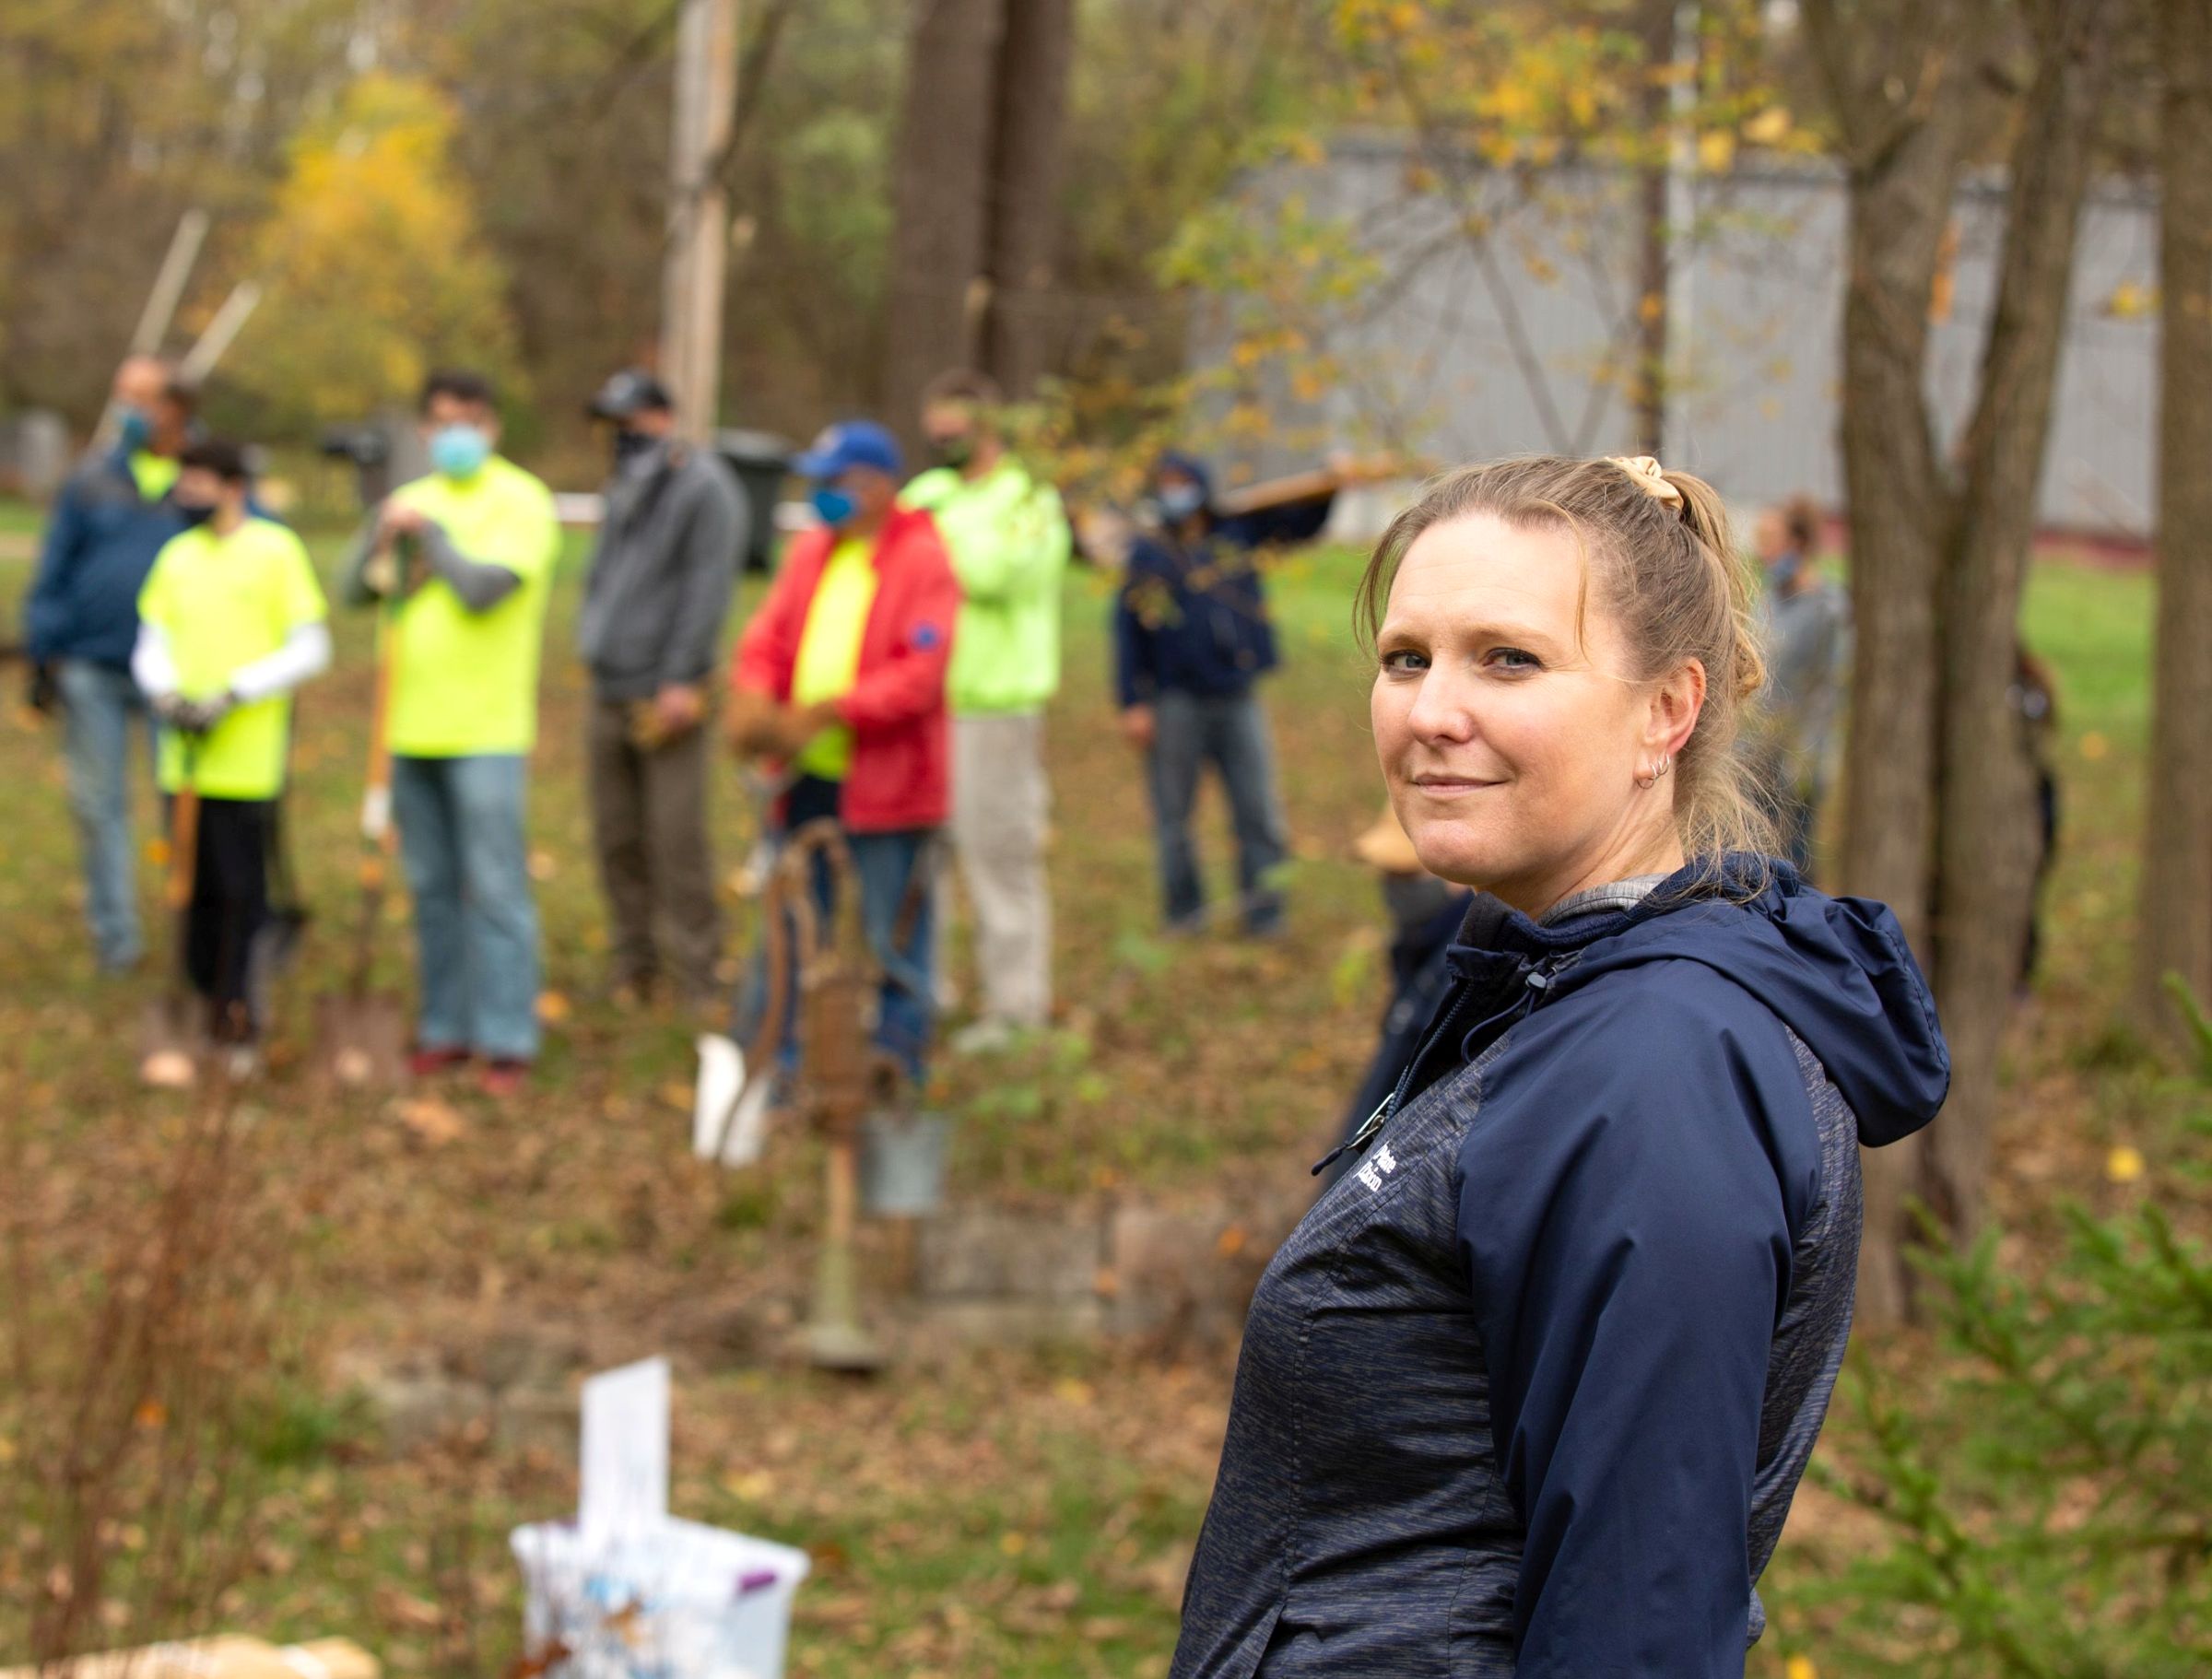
{"x": 194, "y": 716}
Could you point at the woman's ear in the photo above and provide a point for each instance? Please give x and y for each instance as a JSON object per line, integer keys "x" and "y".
{"x": 1676, "y": 698}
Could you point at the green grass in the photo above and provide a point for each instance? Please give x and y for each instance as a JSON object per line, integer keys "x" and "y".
{"x": 983, "y": 1513}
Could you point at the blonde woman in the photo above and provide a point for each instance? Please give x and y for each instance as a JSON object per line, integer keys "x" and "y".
{"x": 1530, "y": 1389}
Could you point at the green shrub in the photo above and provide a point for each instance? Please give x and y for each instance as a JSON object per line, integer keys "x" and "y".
{"x": 2051, "y": 1512}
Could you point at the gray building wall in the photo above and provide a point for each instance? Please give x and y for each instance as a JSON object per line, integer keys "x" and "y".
{"x": 1465, "y": 354}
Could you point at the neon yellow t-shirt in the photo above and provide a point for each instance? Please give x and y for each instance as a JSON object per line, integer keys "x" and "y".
{"x": 155, "y": 475}
{"x": 829, "y": 653}
{"x": 223, "y": 602}
{"x": 465, "y": 683}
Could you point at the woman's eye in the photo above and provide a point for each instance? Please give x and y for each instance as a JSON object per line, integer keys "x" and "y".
{"x": 1513, "y": 658}
{"x": 1403, "y": 662}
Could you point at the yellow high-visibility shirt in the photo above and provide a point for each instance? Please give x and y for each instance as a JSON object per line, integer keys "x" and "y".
{"x": 221, "y": 603}
{"x": 465, "y": 683}
{"x": 828, "y": 657}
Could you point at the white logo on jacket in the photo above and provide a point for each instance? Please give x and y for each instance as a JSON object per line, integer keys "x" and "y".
{"x": 1372, "y": 1172}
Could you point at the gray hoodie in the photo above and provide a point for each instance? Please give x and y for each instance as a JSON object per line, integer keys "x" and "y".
{"x": 662, "y": 572}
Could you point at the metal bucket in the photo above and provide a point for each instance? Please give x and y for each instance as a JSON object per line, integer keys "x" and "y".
{"x": 902, "y": 1164}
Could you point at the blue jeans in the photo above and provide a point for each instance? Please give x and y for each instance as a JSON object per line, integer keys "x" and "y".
{"x": 885, "y": 864}
{"x": 100, "y": 703}
{"x": 1230, "y": 732}
{"x": 475, "y": 922}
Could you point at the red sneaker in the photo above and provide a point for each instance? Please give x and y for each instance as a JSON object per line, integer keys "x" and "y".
{"x": 503, "y": 1078}
{"x": 426, "y": 1063}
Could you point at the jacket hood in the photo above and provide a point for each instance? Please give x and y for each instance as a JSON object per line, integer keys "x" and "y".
{"x": 1835, "y": 971}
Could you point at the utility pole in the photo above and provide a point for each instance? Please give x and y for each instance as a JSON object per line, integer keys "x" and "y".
{"x": 697, "y": 250}
{"x": 1666, "y": 206}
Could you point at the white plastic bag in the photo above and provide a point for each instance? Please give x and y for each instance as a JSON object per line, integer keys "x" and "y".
{"x": 720, "y": 1088}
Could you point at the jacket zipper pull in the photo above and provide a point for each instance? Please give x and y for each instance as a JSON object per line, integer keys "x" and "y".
{"x": 1367, "y": 1127}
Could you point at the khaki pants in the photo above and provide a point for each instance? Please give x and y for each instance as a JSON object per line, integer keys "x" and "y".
{"x": 1000, "y": 804}
{"x": 648, "y": 825}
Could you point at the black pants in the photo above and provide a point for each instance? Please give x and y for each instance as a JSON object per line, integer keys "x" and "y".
{"x": 230, "y": 905}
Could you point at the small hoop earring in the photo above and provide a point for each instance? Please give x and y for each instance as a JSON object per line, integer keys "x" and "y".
{"x": 1649, "y": 779}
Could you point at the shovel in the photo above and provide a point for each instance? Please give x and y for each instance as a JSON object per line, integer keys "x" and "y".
{"x": 363, "y": 1036}
{"x": 170, "y": 1031}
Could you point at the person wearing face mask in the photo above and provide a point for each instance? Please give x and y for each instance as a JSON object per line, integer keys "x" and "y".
{"x": 1806, "y": 622}
{"x": 839, "y": 681}
{"x": 1192, "y": 638}
{"x": 462, "y": 558}
{"x": 1008, "y": 538}
{"x": 650, "y": 627}
{"x": 81, "y": 620}
{"x": 230, "y": 620}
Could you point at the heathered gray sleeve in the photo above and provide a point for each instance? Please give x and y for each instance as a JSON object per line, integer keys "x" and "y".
{"x": 706, "y": 572}
{"x": 481, "y": 585}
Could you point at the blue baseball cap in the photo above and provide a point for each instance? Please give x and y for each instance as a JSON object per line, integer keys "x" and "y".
{"x": 848, "y": 444}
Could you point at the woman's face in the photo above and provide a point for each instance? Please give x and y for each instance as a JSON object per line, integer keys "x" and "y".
{"x": 1769, "y": 537}
{"x": 1512, "y": 744}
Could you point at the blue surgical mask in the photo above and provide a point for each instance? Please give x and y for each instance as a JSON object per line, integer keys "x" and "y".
{"x": 194, "y": 513}
{"x": 135, "y": 430}
{"x": 832, "y": 504}
{"x": 1783, "y": 572}
{"x": 1179, "y": 501}
{"x": 459, "y": 451}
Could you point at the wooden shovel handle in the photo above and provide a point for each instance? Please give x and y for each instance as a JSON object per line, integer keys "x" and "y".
{"x": 379, "y": 712}
{"x": 184, "y": 843}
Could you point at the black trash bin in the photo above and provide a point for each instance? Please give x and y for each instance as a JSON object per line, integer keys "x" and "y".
{"x": 761, "y": 461}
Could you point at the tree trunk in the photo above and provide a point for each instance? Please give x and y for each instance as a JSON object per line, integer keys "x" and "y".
{"x": 1905, "y": 123}
{"x": 2175, "y": 934}
{"x": 1026, "y": 151}
{"x": 939, "y": 196}
{"x": 1985, "y": 817}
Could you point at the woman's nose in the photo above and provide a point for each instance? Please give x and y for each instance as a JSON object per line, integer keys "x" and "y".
{"x": 1441, "y": 710}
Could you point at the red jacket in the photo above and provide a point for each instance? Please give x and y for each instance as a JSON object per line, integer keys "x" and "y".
{"x": 901, "y": 774}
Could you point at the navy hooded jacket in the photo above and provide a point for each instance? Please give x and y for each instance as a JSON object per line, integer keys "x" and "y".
{"x": 1193, "y": 617}
{"x": 102, "y": 538}
{"x": 1530, "y": 1389}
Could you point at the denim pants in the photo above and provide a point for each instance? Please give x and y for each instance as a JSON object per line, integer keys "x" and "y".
{"x": 100, "y": 705}
{"x": 1228, "y": 730}
{"x": 884, "y": 865}
{"x": 476, "y": 921}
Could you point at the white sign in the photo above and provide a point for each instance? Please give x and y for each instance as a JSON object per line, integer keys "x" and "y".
{"x": 625, "y": 1457}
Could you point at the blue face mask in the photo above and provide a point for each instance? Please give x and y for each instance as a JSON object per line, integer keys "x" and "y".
{"x": 459, "y": 451}
{"x": 1783, "y": 572}
{"x": 135, "y": 430}
{"x": 834, "y": 505}
{"x": 1179, "y": 501}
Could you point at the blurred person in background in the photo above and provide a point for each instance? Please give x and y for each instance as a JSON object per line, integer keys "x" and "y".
{"x": 231, "y": 620}
{"x": 1425, "y": 913}
{"x": 1192, "y": 639}
{"x": 464, "y": 558}
{"x": 1009, "y": 540}
{"x": 2032, "y": 697}
{"x": 839, "y": 681}
{"x": 1806, "y": 620}
{"x": 650, "y": 628}
{"x": 111, "y": 518}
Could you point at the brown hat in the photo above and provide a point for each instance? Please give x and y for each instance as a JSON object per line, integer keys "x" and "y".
{"x": 1386, "y": 847}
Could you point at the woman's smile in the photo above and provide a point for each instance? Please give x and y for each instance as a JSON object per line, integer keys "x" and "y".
{"x": 1442, "y": 785}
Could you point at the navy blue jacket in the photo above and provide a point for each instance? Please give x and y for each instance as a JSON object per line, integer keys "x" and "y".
{"x": 1193, "y": 620}
{"x": 101, "y": 542}
{"x": 1529, "y": 1390}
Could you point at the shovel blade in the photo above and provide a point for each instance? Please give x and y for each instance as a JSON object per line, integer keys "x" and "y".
{"x": 168, "y": 1042}
{"x": 361, "y": 1043}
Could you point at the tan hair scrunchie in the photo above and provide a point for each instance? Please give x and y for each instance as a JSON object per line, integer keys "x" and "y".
{"x": 1651, "y": 477}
